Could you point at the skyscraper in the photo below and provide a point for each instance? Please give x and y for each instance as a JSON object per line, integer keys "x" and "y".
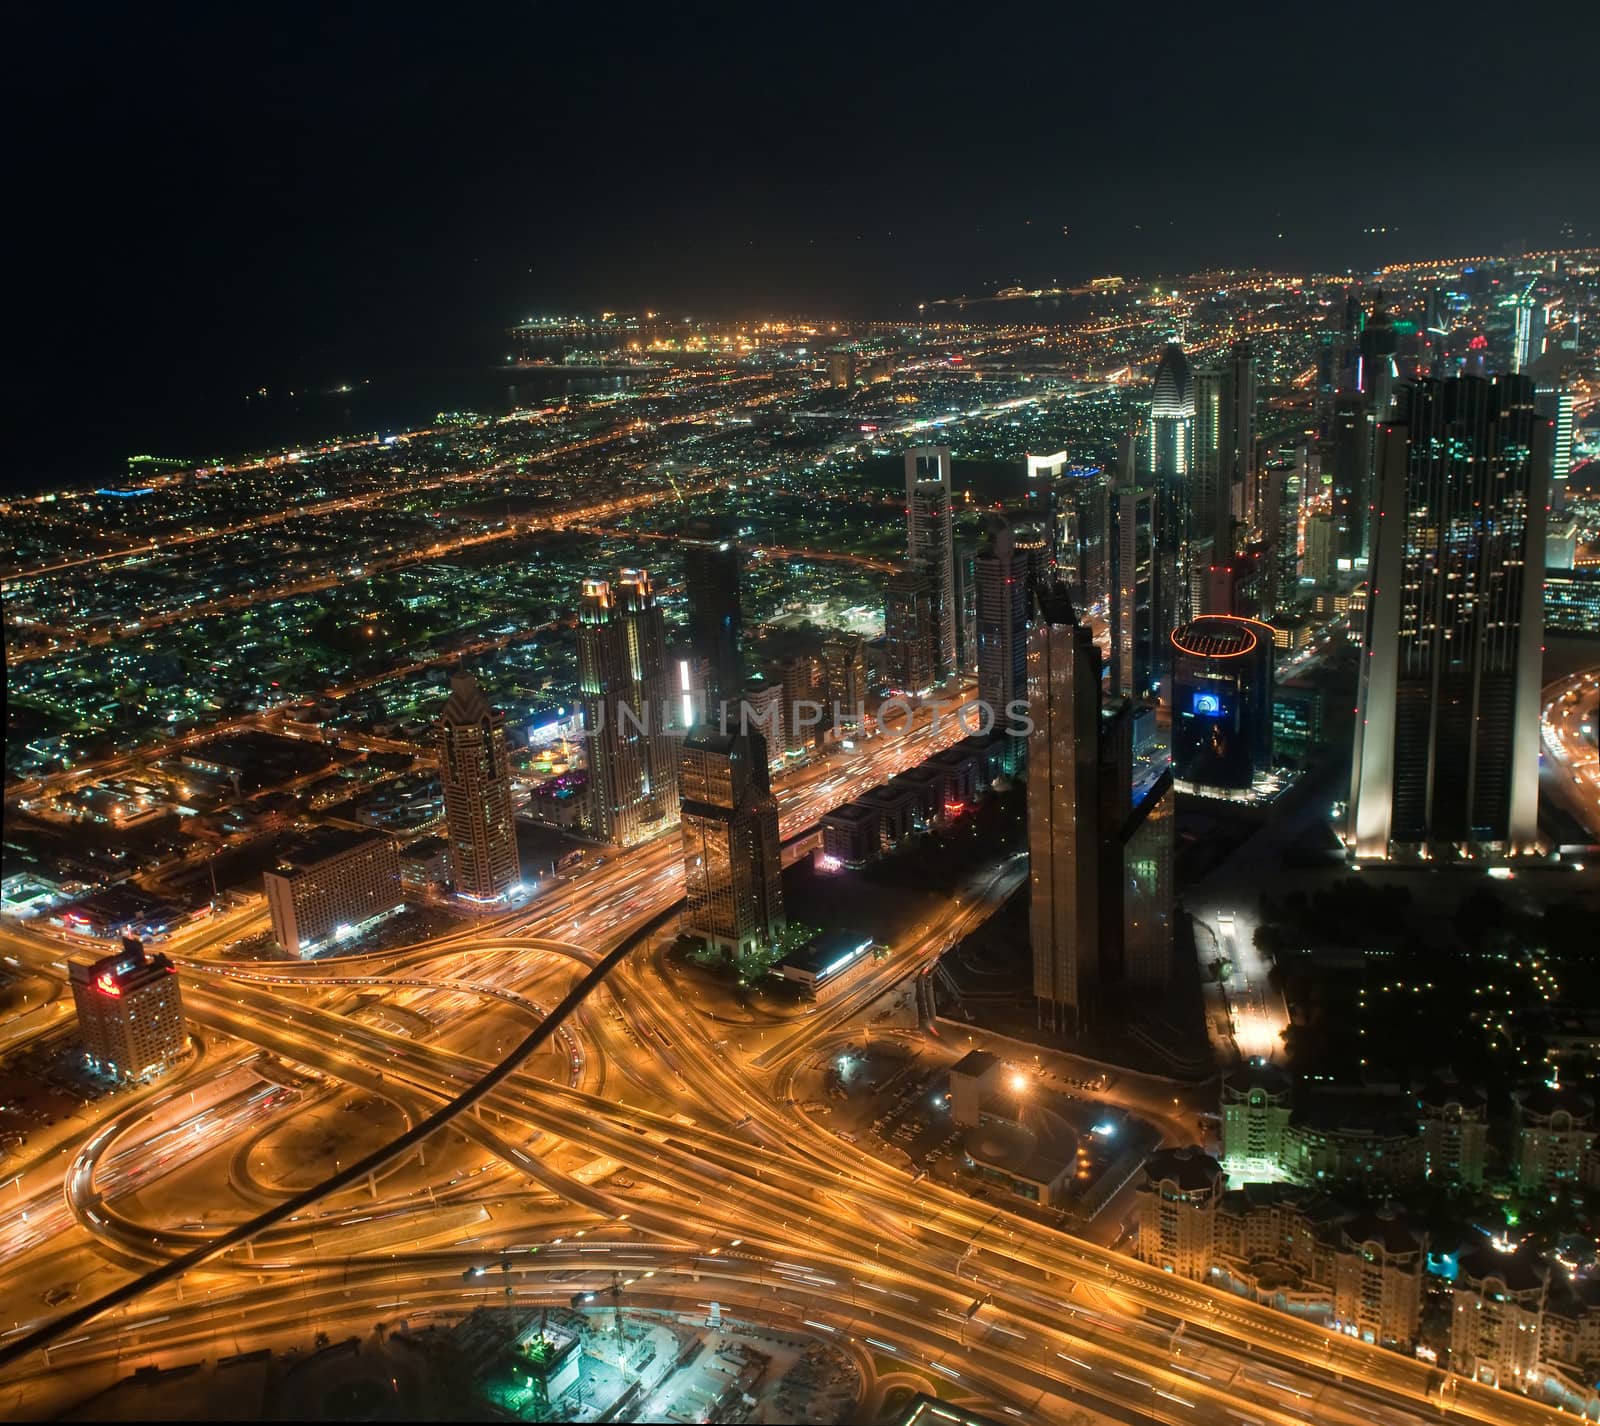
{"x": 1552, "y": 400}
{"x": 1221, "y": 701}
{"x": 1377, "y": 372}
{"x": 1138, "y": 660}
{"x": 1209, "y": 526}
{"x": 930, "y": 540}
{"x": 909, "y": 630}
{"x": 1063, "y": 811}
{"x": 475, "y": 771}
{"x": 1003, "y": 590}
{"x": 1222, "y": 484}
{"x": 623, "y": 683}
{"x": 1352, "y": 439}
{"x": 966, "y": 585}
{"x": 732, "y": 883}
{"x": 1447, "y": 728}
{"x": 844, "y": 658}
{"x": 1171, "y": 418}
{"x": 711, "y": 563}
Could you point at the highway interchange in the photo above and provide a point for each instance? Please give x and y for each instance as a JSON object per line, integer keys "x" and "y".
{"x": 660, "y": 1133}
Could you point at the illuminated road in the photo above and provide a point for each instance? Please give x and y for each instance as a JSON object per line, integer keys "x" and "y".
{"x": 1569, "y": 719}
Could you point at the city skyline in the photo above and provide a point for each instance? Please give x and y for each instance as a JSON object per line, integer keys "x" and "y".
{"x": 726, "y": 716}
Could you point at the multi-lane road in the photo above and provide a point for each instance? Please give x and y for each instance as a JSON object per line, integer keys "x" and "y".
{"x": 686, "y": 1162}
{"x": 1569, "y": 722}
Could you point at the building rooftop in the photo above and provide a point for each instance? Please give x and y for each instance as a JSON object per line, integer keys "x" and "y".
{"x": 466, "y": 703}
{"x": 827, "y": 951}
{"x": 322, "y": 844}
{"x": 1191, "y": 1168}
{"x": 975, "y": 1063}
{"x": 1520, "y": 1272}
{"x": 1388, "y": 1226}
{"x": 850, "y": 812}
{"x": 1015, "y": 1149}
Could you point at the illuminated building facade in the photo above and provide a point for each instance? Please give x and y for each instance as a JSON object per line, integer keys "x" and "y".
{"x": 1497, "y": 1317}
{"x": 930, "y": 540}
{"x": 627, "y": 713}
{"x": 1222, "y": 701}
{"x": 1177, "y": 1198}
{"x": 475, "y": 771}
{"x": 1378, "y": 1268}
{"x": 330, "y": 885}
{"x": 130, "y": 1012}
{"x": 732, "y": 873}
{"x": 1257, "y": 1104}
{"x": 1171, "y": 417}
{"x": 1447, "y": 728}
{"x": 1223, "y": 469}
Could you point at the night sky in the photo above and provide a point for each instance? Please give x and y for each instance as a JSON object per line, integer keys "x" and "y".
{"x": 217, "y": 198}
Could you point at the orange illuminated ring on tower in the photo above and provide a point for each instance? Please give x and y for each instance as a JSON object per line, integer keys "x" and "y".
{"x": 1237, "y": 623}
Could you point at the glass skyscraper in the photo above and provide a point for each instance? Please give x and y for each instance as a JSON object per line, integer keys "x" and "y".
{"x": 1447, "y": 727}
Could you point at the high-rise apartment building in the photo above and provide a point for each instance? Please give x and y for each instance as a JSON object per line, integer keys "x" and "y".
{"x": 1455, "y": 1132}
{"x": 330, "y": 885}
{"x": 627, "y": 709}
{"x": 1379, "y": 1264}
{"x": 1177, "y": 1198}
{"x": 711, "y": 562}
{"x": 930, "y": 539}
{"x": 1497, "y": 1317}
{"x": 1002, "y": 586}
{"x": 801, "y": 688}
{"x": 733, "y": 890}
{"x": 475, "y": 771}
{"x": 1447, "y": 728}
{"x": 130, "y": 1012}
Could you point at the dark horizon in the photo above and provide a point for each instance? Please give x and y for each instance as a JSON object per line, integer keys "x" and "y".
{"x": 216, "y": 205}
